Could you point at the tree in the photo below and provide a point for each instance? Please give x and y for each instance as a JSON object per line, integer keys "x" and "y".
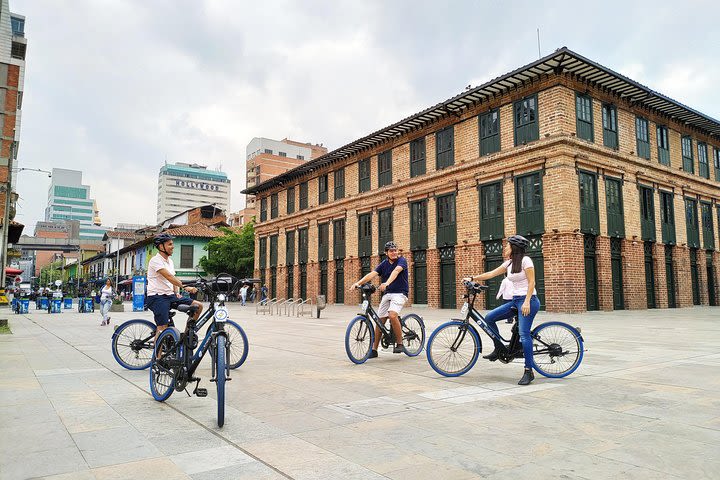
{"x": 232, "y": 253}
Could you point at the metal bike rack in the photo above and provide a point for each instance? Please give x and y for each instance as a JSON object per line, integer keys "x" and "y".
{"x": 284, "y": 306}
{"x": 265, "y": 307}
{"x": 304, "y": 307}
{"x": 278, "y": 305}
{"x": 292, "y": 307}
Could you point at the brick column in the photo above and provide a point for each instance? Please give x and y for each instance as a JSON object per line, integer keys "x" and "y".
{"x": 564, "y": 272}
{"x": 433, "y": 277}
{"x": 352, "y": 275}
{"x": 702, "y": 277}
{"x": 469, "y": 260}
{"x": 281, "y": 281}
{"x": 661, "y": 292}
{"x": 604, "y": 273}
{"x": 716, "y": 268}
{"x": 681, "y": 256}
{"x": 634, "y": 275}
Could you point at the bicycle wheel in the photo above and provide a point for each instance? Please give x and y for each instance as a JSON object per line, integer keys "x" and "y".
{"x": 132, "y": 344}
{"x": 237, "y": 344}
{"x": 557, "y": 349}
{"x": 220, "y": 373}
{"x": 453, "y": 348}
{"x": 413, "y": 329}
{"x": 359, "y": 338}
{"x": 162, "y": 374}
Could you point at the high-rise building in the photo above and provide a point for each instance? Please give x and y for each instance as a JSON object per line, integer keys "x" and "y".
{"x": 69, "y": 199}
{"x": 183, "y": 186}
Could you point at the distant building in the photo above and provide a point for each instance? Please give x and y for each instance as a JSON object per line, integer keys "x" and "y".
{"x": 183, "y": 186}
{"x": 69, "y": 199}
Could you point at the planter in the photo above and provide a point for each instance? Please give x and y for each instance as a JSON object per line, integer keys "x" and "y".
{"x": 117, "y": 308}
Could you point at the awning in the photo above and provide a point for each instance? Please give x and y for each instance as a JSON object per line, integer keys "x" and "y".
{"x": 12, "y": 271}
{"x": 125, "y": 282}
{"x": 15, "y": 231}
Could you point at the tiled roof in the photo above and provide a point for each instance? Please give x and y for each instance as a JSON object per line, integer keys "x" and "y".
{"x": 197, "y": 230}
{"x": 122, "y": 234}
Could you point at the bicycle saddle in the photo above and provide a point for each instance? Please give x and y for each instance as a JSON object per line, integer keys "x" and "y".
{"x": 189, "y": 309}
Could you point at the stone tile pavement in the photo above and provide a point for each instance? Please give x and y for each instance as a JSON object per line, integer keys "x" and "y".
{"x": 644, "y": 404}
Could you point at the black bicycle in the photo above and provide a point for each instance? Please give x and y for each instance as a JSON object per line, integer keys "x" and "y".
{"x": 177, "y": 354}
{"x": 360, "y": 334}
{"x": 454, "y": 347}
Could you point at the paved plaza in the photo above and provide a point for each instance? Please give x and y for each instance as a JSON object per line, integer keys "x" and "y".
{"x": 644, "y": 404}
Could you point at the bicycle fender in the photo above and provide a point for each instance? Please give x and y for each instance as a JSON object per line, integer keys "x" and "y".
{"x": 575, "y": 330}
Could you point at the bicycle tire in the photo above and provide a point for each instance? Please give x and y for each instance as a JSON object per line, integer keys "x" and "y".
{"x": 359, "y": 339}
{"x": 413, "y": 341}
{"x": 121, "y": 350}
{"x": 239, "y": 346}
{"x": 443, "y": 359}
{"x": 221, "y": 365}
{"x": 558, "y": 335}
{"x": 162, "y": 377}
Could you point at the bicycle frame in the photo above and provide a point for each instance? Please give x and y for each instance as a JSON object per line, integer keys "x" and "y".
{"x": 473, "y": 314}
{"x": 372, "y": 314}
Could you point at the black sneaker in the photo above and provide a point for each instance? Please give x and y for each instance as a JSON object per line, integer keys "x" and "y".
{"x": 492, "y": 356}
{"x": 527, "y": 377}
{"x": 373, "y": 354}
{"x": 398, "y": 348}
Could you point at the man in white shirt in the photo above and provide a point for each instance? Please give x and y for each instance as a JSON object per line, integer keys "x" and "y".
{"x": 163, "y": 287}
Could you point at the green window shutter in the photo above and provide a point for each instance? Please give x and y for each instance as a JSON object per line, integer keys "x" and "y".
{"x": 663, "y": 145}
{"x": 339, "y": 181}
{"x": 647, "y": 214}
{"x": 716, "y": 161}
{"x": 707, "y": 226}
{"x": 323, "y": 241}
{"x": 339, "y": 238}
{"x": 263, "y": 252}
{"x": 418, "y": 225}
{"x": 263, "y": 209}
{"x": 667, "y": 218}
{"x": 291, "y": 200}
{"x": 417, "y": 157}
{"x": 491, "y": 211}
{"x": 385, "y": 168}
{"x": 274, "y": 205}
{"x": 526, "y": 120}
{"x": 365, "y": 235}
{"x": 364, "y": 175}
{"x": 290, "y": 247}
{"x": 303, "y": 195}
{"x": 489, "y": 124}
{"x": 445, "y": 148}
{"x": 584, "y": 117}
{"x": 589, "y": 213}
{"x": 529, "y": 204}
{"x": 385, "y": 229}
{"x": 322, "y": 189}
{"x": 610, "y": 126}
{"x": 703, "y": 167}
{"x": 273, "y": 250}
{"x": 642, "y": 137}
{"x": 687, "y": 154}
{"x": 446, "y": 223}
{"x": 691, "y": 222}
{"x": 614, "y": 203}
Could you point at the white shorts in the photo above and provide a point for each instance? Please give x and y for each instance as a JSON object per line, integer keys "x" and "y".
{"x": 391, "y": 302}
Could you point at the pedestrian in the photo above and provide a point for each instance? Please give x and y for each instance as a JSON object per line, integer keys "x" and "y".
{"x": 243, "y": 294}
{"x": 263, "y": 294}
{"x": 106, "y": 295}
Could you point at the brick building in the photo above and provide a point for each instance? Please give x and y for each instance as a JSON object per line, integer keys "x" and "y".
{"x": 617, "y": 187}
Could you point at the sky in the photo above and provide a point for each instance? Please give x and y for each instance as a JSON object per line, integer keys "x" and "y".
{"x": 117, "y": 88}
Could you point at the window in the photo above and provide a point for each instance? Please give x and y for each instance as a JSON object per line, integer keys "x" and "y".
{"x": 262, "y": 252}
{"x": 610, "y": 127}
{"x": 614, "y": 207}
{"x": 667, "y": 218}
{"x": 385, "y": 168}
{"x": 290, "y": 247}
{"x": 365, "y": 235}
{"x": 642, "y": 136}
{"x": 491, "y": 211}
{"x": 589, "y": 215}
{"x": 687, "y": 154}
{"x": 323, "y": 241}
{"x": 663, "y": 145}
{"x": 446, "y": 231}
{"x": 418, "y": 225}
{"x": 707, "y": 226}
{"x": 18, "y": 26}
{"x": 445, "y": 148}
{"x": 417, "y": 157}
{"x": 385, "y": 228}
{"x": 291, "y": 200}
{"x": 647, "y": 213}
{"x": 703, "y": 168}
{"x": 300, "y": 157}
{"x": 70, "y": 192}
{"x": 274, "y": 205}
{"x": 584, "y": 117}
{"x": 322, "y": 189}
{"x": 263, "y": 209}
{"x": 339, "y": 238}
{"x": 17, "y": 50}
{"x": 267, "y": 150}
{"x": 529, "y": 204}
{"x": 525, "y": 118}
{"x": 691, "y": 221}
{"x": 364, "y": 175}
{"x": 19, "y": 100}
{"x": 302, "y": 245}
{"x": 273, "y": 250}
{"x": 303, "y": 195}
{"x": 716, "y": 160}
{"x": 490, "y": 132}
{"x": 339, "y": 181}
{"x": 282, "y": 154}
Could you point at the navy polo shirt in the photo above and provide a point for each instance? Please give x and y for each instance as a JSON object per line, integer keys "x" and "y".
{"x": 400, "y": 284}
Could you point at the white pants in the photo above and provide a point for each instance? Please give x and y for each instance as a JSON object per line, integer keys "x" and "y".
{"x": 391, "y": 302}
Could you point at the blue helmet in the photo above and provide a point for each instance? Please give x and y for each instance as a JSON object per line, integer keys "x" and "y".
{"x": 162, "y": 238}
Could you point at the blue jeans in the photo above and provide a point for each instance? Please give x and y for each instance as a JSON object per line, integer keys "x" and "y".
{"x": 105, "y": 308}
{"x": 504, "y": 312}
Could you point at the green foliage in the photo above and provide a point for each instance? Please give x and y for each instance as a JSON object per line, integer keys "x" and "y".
{"x": 232, "y": 253}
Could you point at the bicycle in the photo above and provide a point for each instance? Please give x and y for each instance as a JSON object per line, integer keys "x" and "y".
{"x": 454, "y": 347}
{"x": 177, "y": 355}
{"x": 360, "y": 334}
{"x": 133, "y": 341}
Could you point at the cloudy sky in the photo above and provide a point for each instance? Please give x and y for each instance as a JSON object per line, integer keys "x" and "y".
{"x": 115, "y": 88}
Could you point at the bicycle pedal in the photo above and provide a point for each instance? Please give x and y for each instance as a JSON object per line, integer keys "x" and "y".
{"x": 201, "y": 392}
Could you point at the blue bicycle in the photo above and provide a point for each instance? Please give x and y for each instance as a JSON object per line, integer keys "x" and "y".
{"x": 454, "y": 347}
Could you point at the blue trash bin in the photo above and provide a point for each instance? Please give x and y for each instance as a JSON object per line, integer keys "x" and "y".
{"x": 43, "y": 303}
{"x": 24, "y": 305}
{"x": 13, "y": 304}
{"x": 89, "y": 304}
{"x": 67, "y": 303}
{"x": 56, "y": 305}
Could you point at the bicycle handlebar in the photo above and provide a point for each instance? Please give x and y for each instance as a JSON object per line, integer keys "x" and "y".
{"x": 475, "y": 287}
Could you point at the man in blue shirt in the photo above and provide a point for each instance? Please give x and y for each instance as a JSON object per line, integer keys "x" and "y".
{"x": 393, "y": 272}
